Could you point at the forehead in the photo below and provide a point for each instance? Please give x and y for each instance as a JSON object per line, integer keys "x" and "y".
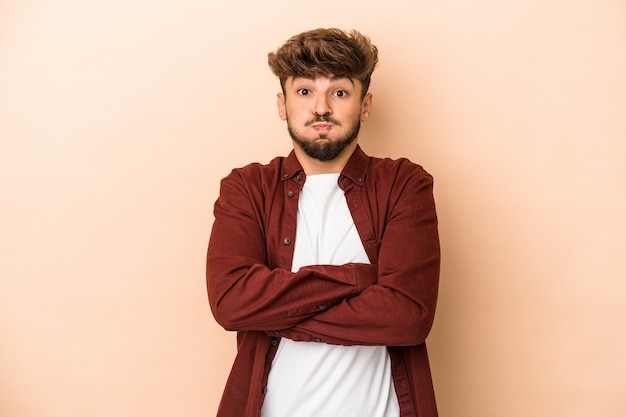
{"x": 322, "y": 80}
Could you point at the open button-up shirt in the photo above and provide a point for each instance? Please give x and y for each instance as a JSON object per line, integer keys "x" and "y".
{"x": 390, "y": 302}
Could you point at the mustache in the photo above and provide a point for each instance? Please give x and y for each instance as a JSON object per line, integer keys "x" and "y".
{"x": 322, "y": 118}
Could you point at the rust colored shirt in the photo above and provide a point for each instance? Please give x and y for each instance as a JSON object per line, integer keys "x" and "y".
{"x": 390, "y": 302}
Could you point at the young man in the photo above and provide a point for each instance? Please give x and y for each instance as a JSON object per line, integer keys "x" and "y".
{"x": 326, "y": 262}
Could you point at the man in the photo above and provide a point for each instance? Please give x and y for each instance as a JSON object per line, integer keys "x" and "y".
{"x": 326, "y": 262}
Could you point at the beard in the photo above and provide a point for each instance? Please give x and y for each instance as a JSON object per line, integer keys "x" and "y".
{"x": 325, "y": 150}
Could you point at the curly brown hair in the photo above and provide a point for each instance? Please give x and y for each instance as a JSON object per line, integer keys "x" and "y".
{"x": 324, "y": 53}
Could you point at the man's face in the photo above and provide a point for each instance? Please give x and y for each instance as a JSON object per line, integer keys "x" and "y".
{"x": 323, "y": 114}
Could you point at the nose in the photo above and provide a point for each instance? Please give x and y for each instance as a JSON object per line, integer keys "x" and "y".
{"x": 321, "y": 106}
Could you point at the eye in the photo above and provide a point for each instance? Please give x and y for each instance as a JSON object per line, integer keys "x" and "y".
{"x": 303, "y": 91}
{"x": 340, "y": 93}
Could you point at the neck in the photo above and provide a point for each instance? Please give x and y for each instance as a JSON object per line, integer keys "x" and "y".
{"x": 314, "y": 166}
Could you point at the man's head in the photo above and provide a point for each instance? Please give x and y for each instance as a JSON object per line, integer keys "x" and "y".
{"x": 324, "y": 75}
{"x": 324, "y": 53}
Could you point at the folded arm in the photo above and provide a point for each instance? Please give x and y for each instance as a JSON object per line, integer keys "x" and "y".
{"x": 399, "y": 308}
{"x": 245, "y": 293}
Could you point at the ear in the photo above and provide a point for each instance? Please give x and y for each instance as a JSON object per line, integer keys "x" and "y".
{"x": 282, "y": 110}
{"x": 366, "y": 107}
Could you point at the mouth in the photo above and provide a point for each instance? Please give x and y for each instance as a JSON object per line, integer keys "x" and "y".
{"x": 322, "y": 126}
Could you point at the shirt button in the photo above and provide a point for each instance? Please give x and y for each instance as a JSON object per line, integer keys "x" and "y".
{"x": 318, "y": 340}
{"x": 285, "y": 175}
{"x": 274, "y": 342}
{"x": 287, "y": 241}
{"x": 299, "y": 177}
{"x": 264, "y": 390}
{"x": 321, "y": 306}
{"x": 277, "y": 332}
{"x": 290, "y": 194}
{"x": 359, "y": 180}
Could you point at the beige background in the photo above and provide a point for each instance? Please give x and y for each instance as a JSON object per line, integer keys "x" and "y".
{"x": 118, "y": 118}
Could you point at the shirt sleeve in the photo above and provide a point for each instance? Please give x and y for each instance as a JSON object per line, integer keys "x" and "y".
{"x": 398, "y": 310}
{"x": 245, "y": 293}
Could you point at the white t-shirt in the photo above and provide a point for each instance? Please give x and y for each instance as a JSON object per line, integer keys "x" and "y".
{"x": 309, "y": 379}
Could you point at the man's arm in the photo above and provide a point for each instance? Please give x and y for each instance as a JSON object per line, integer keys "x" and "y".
{"x": 399, "y": 309}
{"x": 244, "y": 293}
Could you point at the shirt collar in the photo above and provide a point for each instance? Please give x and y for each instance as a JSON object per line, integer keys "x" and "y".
{"x": 356, "y": 167}
{"x": 291, "y": 167}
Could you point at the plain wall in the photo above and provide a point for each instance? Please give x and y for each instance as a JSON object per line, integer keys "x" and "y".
{"x": 119, "y": 118}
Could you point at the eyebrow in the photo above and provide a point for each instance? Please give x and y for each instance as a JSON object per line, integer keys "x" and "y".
{"x": 341, "y": 77}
